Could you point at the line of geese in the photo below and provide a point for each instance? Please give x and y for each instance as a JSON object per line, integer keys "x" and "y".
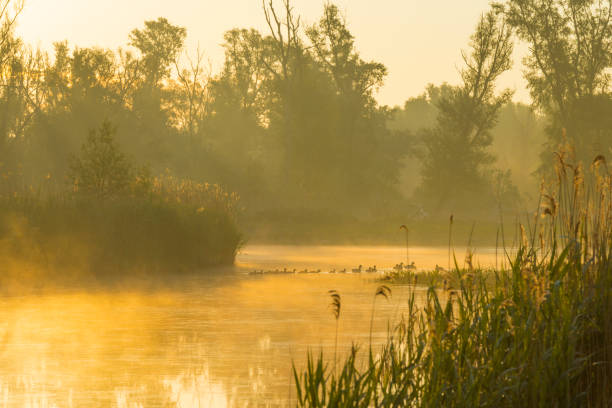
{"x": 286, "y": 271}
{"x": 404, "y": 267}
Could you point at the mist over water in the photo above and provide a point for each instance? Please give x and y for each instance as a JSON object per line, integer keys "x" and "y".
{"x": 222, "y": 338}
{"x": 179, "y": 234}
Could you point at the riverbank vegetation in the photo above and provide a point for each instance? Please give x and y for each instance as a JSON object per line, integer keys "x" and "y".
{"x": 115, "y": 218}
{"x": 292, "y": 125}
{"x": 538, "y": 333}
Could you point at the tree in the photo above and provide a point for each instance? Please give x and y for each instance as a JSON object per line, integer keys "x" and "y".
{"x": 456, "y": 149}
{"x": 8, "y": 19}
{"x": 568, "y": 66}
{"x": 9, "y": 47}
{"x": 518, "y": 140}
{"x": 93, "y": 73}
{"x": 101, "y": 169}
{"x": 78, "y": 88}
{"x": 160, "y": 43}
{"x": 232, "y": 129}
{"x": 244, "y": 69}
{"x": 238, "y": 96}
{"x": 332, "y": 138}
{"x": 354, "y": 82}
{"x": 192, "y": 99}
{"x": 335, "y": 49}
{"x": 285, "y": 62}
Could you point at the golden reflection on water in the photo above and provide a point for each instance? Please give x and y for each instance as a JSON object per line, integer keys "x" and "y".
{"x": 340, "y": 257}
{"x": 211, "y": 340}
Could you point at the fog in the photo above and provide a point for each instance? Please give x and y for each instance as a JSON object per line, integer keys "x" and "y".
{"x": 290, "y": 122}
{"x": 162, "y": 156}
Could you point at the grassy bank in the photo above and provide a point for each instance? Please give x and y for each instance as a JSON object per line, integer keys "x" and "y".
{"x": 110, "y": 217}
{"x": 537, "y": 334}
{"x": 175, "y": 225}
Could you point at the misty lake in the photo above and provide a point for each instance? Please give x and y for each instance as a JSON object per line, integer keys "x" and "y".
{"x": 214, "y": 339}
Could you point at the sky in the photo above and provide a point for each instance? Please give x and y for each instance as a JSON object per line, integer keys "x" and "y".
{"x": 419, "y": 41}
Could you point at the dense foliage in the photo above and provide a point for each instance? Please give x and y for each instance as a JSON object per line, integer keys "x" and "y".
{"x": 291, "y": 122}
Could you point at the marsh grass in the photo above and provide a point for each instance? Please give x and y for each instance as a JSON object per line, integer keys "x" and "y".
{"x": 536, "y": 334}
{"x": 407, "y": 234}
{"x": 382, "y": 291}
{"x": 173, "y": 225}
{"x": 336, "y": 307}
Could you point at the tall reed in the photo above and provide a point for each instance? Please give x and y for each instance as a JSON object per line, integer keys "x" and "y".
{"x": 540, "y": 335}
{"x": 405, "y": 228}
{"x": 382, "y": 291}
{"x": 336, "y": 306}
{"x": 450, "y": 235}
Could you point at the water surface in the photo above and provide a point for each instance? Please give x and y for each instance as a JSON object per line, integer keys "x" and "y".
{"x": 212, "y": 339}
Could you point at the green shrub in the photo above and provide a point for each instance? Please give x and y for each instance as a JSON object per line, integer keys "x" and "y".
{"x": 156, "y": 230}
{"x": 101, "y": 170}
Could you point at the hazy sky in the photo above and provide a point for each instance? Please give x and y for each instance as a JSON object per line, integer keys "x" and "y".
{"x": 419, "y": 41}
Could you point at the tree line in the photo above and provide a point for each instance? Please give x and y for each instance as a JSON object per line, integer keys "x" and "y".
{"x": 291, "y": 120}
